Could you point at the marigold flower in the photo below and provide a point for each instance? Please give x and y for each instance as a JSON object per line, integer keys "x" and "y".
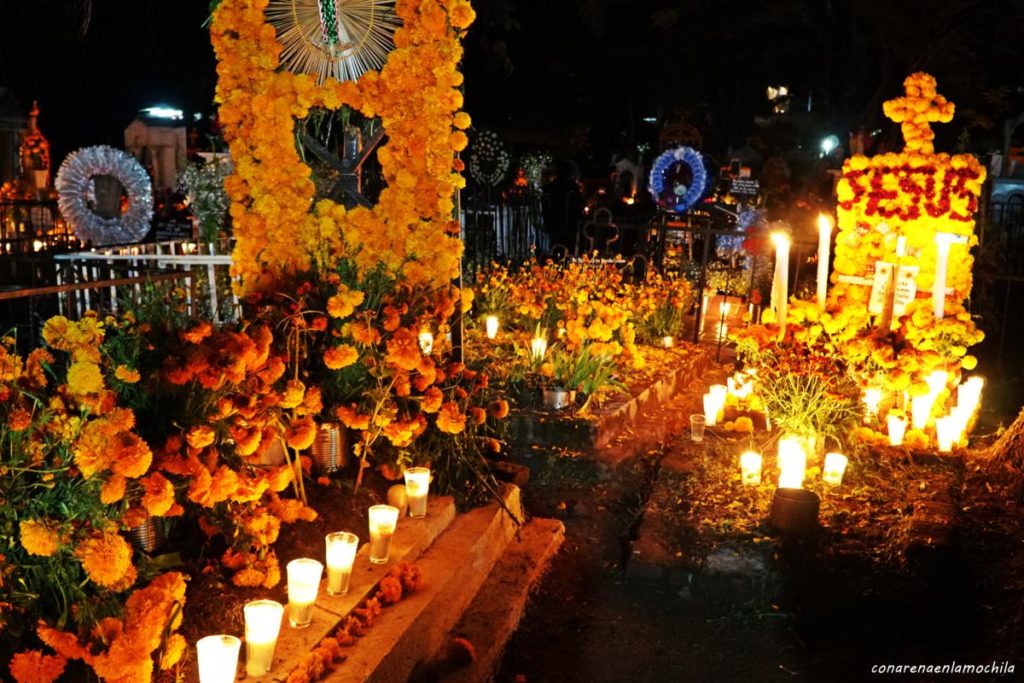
{"x": 113, "y": 490}
{"x": 344, "y": 303}
{"x": 32, "y": 666}
{"x": 19, "y": 420}
{"x": 37, "y": 538}
{"x": 293, "y": 394}
{"x": 338, "y": 357}
{"x": 63, "y": 643}
{"x": 499, "y": 408}
{"x": 159, "y": 494}
{"x": 127, "y": 375}
{"x": 451, "y": 420}
{"x": 200, "y": 436}
{"x": 106, "y": 558}
{"x": 301, "y": 433}
{"x": 173, "y": 650}
{"x": 84, "y": 377}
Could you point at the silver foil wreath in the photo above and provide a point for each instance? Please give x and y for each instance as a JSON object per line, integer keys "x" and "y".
{"x": 75, "y": 188}
{"x": 488, "y": 159}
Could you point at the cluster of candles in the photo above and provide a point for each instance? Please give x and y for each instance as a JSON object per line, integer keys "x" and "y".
{"x": 218, "y": 655}
{"x": 792, "y": 464}
{"x": 739, "y": 386}
{"x": 950, "y": 429}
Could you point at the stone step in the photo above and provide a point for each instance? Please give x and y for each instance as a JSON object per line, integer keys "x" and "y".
{"x": 538, "y": 427}
{"x": 411, "y": 540}
{"x": 494, "y": 614}
{"x": 453, "y": 568}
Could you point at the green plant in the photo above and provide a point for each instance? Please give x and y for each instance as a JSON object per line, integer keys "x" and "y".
{"x": 805, "y": 405}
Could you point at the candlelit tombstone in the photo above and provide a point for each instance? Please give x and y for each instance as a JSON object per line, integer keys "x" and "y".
{"x": 262, "y": 627}
{"x": 835, "y": 468}
{"x": 383, "y": 520}
{"x": 303, "y": 586}
{"x": 218, "y": 658}
{"x": 417, "y": 484}
{"x": 341, "y": 555}
{"x": 492, "y": 326}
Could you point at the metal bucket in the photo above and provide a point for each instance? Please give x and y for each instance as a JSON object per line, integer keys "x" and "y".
{"x": 330, "y": 448}
{"x": 148, "y": 536}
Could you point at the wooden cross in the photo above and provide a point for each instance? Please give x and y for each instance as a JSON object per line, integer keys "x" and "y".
{"x": 920, "y": 107}
{"x": 346, "y": 189}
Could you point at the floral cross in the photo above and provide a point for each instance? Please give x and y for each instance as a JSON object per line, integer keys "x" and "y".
{"x": 921, "y": 106}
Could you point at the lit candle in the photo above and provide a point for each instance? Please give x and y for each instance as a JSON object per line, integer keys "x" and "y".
{"x": 218, "y": 658}
{"x": 492, "y": 326}
{"x": 750, "y": 466}
{"x": 937, "y": 382}
{"x": 538, "y": 347}
{"x": 383, "y": 520}
{"x": 921, "y": 409}
{"x": 792, "y": 463}
{"x": 897, "y": 425}
{"x": 303, "y": 586}
{"x": 341, "y": 555}
{"x": 426, "y": 342}
{"x": 968, "y": 394}
{"x": 710, "y": 409}
{"x": 947, "y": 433}
{"x": 835, "y": 467}
{"x": 824, "y": 249}
{"x": 262, "y": 626}
{"x": 872, "y": 401}
{"x": 667, "y": 341}
{"x": 417, "y": 483}
{"x": 720, "y": 391}
{"x": 943, "y": 240}
{"x": 780, "y": 284}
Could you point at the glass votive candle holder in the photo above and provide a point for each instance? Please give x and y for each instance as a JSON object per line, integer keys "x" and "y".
{"x": 697, "y": 423}
{"x": 303, "y": 586}
{"x": 792, "y": 463}
{"x": 492, "y": 326}
{"x": 667, "y": 341}
{"x": 341, "y": 555}
{"x": 262, "y": 627}
{"x": 897, "y": 427}
{"x": 426, "y": 340}
{"x": 947, "y": 433}
{"x": 383, "y": 520}
{"x": 417, "y": 484}
{"x": 750, "y": 467}
{"x": 218, "y": 658}
{"x": 835, "y": 467}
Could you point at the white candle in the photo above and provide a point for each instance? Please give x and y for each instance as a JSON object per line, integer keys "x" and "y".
{"x": 383, "y": 520}
{"x": 780, "y": 285}
{"x": 417, "y": 483}
{"x": 303, "y": 585}
{"x": 943, "y": 240}
{"x": 937, "y": 382}
{"x": 710, "y": 409}
{"x": 792, "y": 463}
{"x": 426, "y": 342}
{"x": 538, "y": 347}
{"x": 835, "y": 467}
{"x": 947, "y": 433}
{"x": 262, "y": 627}
{"x": 872, "y": 401}
{"x": 667, "y": 341}
{"x": 720, "y": 391}
{"x": 750, "y": 467}
{"x": 824, "y": 250}
{"x": 968, "y": 394}
{"x": 341, "y": 555}
{"x": 218, "y": 658}
{"x": 897, "y": 425}
{"x": 921, "y": 409}
{"x": 492, "y": 326}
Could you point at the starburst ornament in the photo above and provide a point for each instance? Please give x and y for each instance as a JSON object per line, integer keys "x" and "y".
{"x": 339, "y": 39}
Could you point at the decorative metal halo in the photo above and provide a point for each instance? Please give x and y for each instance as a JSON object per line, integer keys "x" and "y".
{"x": 670, "y": 201}
{"x": 488, "y": 158}
{"x": 340, "y": 39}
{"x": 74, "y": 188}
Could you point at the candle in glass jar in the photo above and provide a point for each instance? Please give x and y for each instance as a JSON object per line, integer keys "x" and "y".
{"x": 218, "y": 658}
{"x": 667, "y": 341}
{"x": 897, "y": 426}
{"x": 426, "y": 342}
{"x": 792, "y": 463}
{"x": 872, "y": 402}
{"x": 341, "y": 555}
{"x": 383, "y": 520}
{"x": 921, "y": 410}
{"x": 303, "y": 585}
{"x": 262, "y": 627}
{"x": 947, "y": 433}
{"x": 711, "y": 409}
{"x": 417, "y": 484}
{"x": 750, "y": 466}
{"x": 492, "y": 326}
{"x": 835, "y": 467}
{"x": 538, "y": 347}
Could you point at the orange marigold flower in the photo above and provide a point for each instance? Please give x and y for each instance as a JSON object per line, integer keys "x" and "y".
{"x": 106, "y": 558}
{"x": 198, "y": 333}
{"x": 499, "y": 408}
{"x": 19, "y": 420}
{"x": 293, "y": 394}
{"x": 63, "y": 643}
{"x": 450, "y": 419}
{"x": 432, "y": 400}
{"x": 84, "y": 377}
{"x": 32, "y": 666}
{"x": 132, "y": 455}
{"x": 301, "y": 433}
{"x": 173, "y": 650}
{"x": 461, "y": 14}
{"x": 159, "y": 494}
{"x": 127, "y": 375}
{"x": 200, "y": 436}
{"x": 404, "y": 350}
{"x": 112, "y": 490}
{"x": 37, "y": 538}
{"x": 479, "y": 415}
{"x": 352, "y": 419}
{"x": 338, "y": 357}
{"x": 344, "y": 303}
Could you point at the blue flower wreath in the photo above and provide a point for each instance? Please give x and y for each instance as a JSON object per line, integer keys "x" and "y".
{"x": 686, "y": 201}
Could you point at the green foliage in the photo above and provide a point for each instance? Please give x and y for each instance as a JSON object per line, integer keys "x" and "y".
{"x": 805, "y": 405}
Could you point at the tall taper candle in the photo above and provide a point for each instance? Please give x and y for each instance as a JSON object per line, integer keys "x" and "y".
{"x": 824, "y": 251}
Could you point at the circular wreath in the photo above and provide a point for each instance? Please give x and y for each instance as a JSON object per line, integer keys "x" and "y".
{"x": 679, "y": 198}
{"x": 75, "y": 187}
{"x": 488, "y": 159}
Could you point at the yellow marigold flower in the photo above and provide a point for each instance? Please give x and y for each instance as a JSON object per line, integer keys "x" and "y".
{"x": 173, "y": 650}
{"x": 200, "y": 436}
{"x": 106, "y": 558}
{"x": 338, "y": 357}
{"x": 84, "y": 377}
{"x": 127, "y": 375}
{"x": 293, "y": 394}
{"x": 344, "y": 303}
{"x": 55, "y": 330}
{"x": 32, "y": 666}
{"x": 450, "y": 419}
{"x": 37, "y": 538}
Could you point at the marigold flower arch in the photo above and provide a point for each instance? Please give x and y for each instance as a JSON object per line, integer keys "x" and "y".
{"x": 278, "y": 228}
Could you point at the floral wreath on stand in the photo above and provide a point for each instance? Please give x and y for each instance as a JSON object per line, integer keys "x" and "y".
{"x": 679, "y": 198}
{"x": 75, "y": 187}
{"x": 488, "y": 159}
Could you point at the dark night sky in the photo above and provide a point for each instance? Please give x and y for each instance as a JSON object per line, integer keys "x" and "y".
{"x": 578, "y": 75}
